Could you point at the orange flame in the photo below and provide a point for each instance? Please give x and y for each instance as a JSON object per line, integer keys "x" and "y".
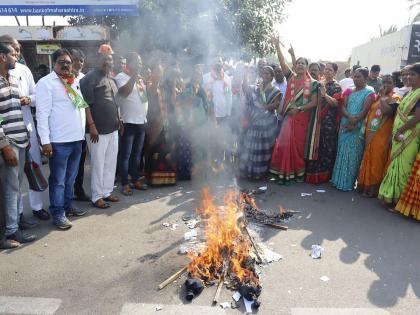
{"x": 226, "y": 247}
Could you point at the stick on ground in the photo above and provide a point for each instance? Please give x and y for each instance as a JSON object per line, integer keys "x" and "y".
{"x": 254, "y": 245}
{"x": 277, "y": 226}
{"x": 172, "y": 278}
{"x": 219, "y": 287}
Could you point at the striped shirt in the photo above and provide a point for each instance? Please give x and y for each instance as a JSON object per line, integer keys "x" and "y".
{"x": 12, "y": 126}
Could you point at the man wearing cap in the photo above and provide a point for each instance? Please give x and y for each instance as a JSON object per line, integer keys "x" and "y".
{"x": 100, "y": 91}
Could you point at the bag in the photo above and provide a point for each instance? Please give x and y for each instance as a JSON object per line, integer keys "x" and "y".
{"x": 36, "y": 179}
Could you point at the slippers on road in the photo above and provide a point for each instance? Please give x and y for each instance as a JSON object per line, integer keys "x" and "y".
{"x": 101, "y": 204}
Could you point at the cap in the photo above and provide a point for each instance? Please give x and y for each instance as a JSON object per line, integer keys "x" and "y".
{"x": 105, "y": 49}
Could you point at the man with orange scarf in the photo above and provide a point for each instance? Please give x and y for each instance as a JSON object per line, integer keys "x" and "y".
{"x": 60, "y": 113}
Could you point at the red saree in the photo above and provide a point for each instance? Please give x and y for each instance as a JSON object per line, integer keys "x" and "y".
{"x": 290, "y": 149}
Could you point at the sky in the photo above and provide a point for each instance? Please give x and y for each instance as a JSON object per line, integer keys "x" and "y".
{"x": 329, "y": 29}
{"x": 317, "y": 29}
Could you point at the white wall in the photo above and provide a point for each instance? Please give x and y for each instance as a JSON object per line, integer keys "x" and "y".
{"x": 390, "y": 51}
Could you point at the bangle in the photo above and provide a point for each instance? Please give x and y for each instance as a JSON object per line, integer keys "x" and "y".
{"x": 300, "y": 109}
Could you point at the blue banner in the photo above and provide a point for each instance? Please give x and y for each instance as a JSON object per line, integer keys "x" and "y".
{"x": 69, "y": 10}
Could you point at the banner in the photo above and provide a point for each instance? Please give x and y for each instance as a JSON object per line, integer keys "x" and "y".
{"x": 414, "y": 50}
{"x": 69, "y": 8}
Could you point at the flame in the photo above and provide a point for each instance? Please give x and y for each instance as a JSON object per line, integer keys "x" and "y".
{"x": 226, "y": 246}
{"x": 247, "y": 199}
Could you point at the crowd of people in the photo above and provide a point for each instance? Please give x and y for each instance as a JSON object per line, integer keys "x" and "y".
{"x": 161, "y": 123}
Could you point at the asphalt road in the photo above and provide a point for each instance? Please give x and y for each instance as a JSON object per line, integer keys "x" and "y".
{"x": 112, "y": 260}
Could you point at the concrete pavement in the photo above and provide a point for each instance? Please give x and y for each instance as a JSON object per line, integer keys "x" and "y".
{"x": 112, "y": 260}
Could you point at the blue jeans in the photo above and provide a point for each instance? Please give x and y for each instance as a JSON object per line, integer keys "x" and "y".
{"x": 130, "y": 155}
{"x": 12, "y": 180}
{"x": 64, "y": 164}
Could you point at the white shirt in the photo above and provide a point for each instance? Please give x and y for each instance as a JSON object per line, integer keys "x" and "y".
{"x": 346, "y": 83}
{"x": 401, "y": 92}
{"x": 221, "y": 91}
{"x": 80, "y": 76}
{"x": 26, "y": 84}
{"x": 58, "y": 119}
{"x": 133, "y": 110}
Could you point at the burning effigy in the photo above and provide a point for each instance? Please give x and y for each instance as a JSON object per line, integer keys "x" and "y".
{"x": 230, "y": 255}
{"x": 227, "y": 257}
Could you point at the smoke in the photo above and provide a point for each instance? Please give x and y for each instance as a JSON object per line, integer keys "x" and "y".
{"x": 180, "y": 35}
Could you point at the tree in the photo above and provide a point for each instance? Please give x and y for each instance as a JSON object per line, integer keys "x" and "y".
{"x": 197, "y": 29}
{"x": 415, "y": 8}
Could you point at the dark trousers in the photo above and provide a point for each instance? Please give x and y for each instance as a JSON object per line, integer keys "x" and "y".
{"x": 2, "y": 213}
{"x": 78, "y": 185}
{"x": 130, "y": 152}
{"x": 64, "y": 164}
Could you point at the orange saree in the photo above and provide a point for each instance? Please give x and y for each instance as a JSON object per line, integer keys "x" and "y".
{"x": 377, "y": 145}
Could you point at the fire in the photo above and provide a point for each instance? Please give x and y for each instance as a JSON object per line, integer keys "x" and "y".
{"x": 227, "y": 252}
{"x": 247, "y": 199}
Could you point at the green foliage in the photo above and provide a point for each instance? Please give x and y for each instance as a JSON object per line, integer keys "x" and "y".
{"x": 197, "y": 27}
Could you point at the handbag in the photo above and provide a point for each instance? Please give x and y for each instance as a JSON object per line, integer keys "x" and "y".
{"x": 36, "y": 179}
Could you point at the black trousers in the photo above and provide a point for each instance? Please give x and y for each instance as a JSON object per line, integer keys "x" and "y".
{"x": 78, "y": 184}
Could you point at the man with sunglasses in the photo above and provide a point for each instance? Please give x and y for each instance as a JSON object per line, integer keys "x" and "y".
{"x": 61, "y": 127}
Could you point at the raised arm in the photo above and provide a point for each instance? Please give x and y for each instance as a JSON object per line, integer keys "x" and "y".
{"x": 283, "y": 64}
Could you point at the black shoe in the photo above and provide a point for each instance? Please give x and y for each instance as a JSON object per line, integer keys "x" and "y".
{"x": 18, "y": 236}
{"x": 25, "y": 224}
{"x": 41, "y": 214}
{"x": 81, "y": 196}
{"x": 75, "y": 212}
{"x": 8, "y": 244}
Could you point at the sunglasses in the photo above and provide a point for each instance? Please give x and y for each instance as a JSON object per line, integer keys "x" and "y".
{"x": 64, "y": 63}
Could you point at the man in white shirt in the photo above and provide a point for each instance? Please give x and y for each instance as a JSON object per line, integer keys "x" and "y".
{"x": 133, "y": 102}
{"x": 61, "y": 126}
{"x": 347, "y": 82}
{"x": 219, "y": 87}
{"x": 26, "y": 84}
{"x": 79, "y": 192}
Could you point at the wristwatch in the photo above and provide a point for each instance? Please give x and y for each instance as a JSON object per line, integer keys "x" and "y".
{"x": 300, "y": 109}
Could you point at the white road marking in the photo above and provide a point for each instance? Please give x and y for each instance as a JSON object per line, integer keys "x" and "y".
{"x": 145, "y": 309}
{"x": 338, "y": 311}
{"x": 28, "y": 305}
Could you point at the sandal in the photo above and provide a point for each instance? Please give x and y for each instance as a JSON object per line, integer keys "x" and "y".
{"x": 139, "y": 185}
{"x": 112, "y": 198}
{"x": 126, "y": 191}
{"x": 101, "y": 204}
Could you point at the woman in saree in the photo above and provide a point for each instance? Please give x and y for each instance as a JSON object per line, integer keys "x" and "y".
{"x": 378, "y": 130}
{"x": 357, "y": 102}
{"x": 160, "y": 157}
{"x": 320, "y": 170}
{"x": 409, "y": 203}
{"x": 192, "y": 115}
{"x": 296, "y": 141}
{"x": 258, "y": 136}
{"x": 405, "y": 141}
